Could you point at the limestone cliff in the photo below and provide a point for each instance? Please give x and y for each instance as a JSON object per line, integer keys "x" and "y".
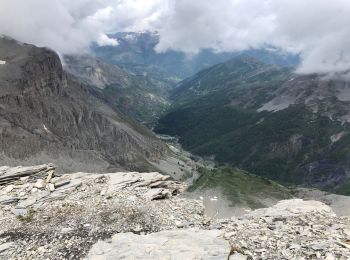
{"x": 45, "y": 115}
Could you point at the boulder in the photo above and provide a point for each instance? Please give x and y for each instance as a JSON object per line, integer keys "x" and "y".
{"x": 175, "y": 244}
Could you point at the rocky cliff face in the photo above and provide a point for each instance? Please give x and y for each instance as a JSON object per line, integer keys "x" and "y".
{"x": 140, "y": 97}
{"x": 143, "y": 216}
{"x": 45, "y": 115}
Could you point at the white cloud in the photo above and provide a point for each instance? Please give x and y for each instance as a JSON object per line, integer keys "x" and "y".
{"x": 70, "y": 26}
{"x": 221, "y": 24}
{"x": 317, "y": 29}
{"x": 104, "y": 40}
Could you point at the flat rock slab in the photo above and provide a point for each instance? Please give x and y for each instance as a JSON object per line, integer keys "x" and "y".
{"x": 174, "y": 244}
{"x": 292, "y": 207}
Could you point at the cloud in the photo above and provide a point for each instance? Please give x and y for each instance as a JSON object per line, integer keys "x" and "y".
{"x": 223, "y": 25}
{"x": 318, "y": 30}
{"x": 70, "y": 26}
{"x": 104, "y": 40}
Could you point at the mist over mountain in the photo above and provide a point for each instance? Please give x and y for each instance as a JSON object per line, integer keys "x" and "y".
{"x": 320, "y": 36}
{"x": 137, "y": 53}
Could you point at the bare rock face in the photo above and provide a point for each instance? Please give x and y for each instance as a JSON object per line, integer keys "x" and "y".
{"x": 175, "y": 244}
{"x": 140, "y": 97}
{"x": 44, "y": 115}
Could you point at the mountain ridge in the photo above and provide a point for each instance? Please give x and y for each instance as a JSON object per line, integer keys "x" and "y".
{"x": 44, "y": 113}
{"x": 295, "y": 144}
{"x": 139, "y": 97}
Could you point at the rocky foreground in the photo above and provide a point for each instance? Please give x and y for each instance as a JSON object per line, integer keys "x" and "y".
{"x": 143, "y": 216}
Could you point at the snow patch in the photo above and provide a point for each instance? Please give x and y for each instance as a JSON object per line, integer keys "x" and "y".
{"x": 335, "y": 138}
{"x": 277, "y": 104}
{"x": 131, "y": 38}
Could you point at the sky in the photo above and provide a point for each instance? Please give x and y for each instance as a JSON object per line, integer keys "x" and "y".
{"x": 318, "y": 30}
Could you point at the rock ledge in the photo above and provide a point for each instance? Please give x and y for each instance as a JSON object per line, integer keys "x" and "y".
{"x": 102, "y": 216}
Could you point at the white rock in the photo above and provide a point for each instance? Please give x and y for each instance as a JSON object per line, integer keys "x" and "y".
{"x": 238, "y": 256}
{"x": 66, "y": 230}
{"x": 50, "y": 187}
{"x": 295, "y": 246}
{"x": 41, "y": 249}
{"x": 9, "y": 188}
{"x": 24, "y": 178}
{"x": 27, "y": 203}
{"x": 2, "y": 62}
{"x": 103, "y": 192}
{"x": 50, "y": 175}
{"x": 40, "y": 183}
{"x": 329, "y": 256}
{"x": 179, "y": 244}
{"x": 6, "y": 246}
{"x": 179, "y": 224}
{"x": 19, "y": 211}
{"x": 292, "y": 207}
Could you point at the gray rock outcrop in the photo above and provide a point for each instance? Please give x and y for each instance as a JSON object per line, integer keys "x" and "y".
{"x": 138, "y": 96}
{"x": 174, "y": 244}
{"x": 131, "y": 215}
{"x": 47, "y": 116}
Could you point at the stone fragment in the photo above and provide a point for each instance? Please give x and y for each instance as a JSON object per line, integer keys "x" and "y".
{"x": 295, "y": 246}
{"x": 59, "y": 182}
{"x": 7, "y": 200}
{"x": 343, "y": 245}
{"x": 103, "y": 192}
{"x": 157, "y": 194}
{"x": 179, "y": 224}
{"x": 16, "y": 173}
{"x": 24, "y": 179}
{"x": 19, "y": 211}
{"x": 50, "y": 187}
{"x": 9, "y": 188}
{"x": 6, "y": 246}
{"x": 40, "y": 184}
{"x": 26, "y": 203}
{"x": 66, "y": 230}
{"x": 238, "y": 256}
{"x": 50, "y": 175}
{"x": 329, "y": 256}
